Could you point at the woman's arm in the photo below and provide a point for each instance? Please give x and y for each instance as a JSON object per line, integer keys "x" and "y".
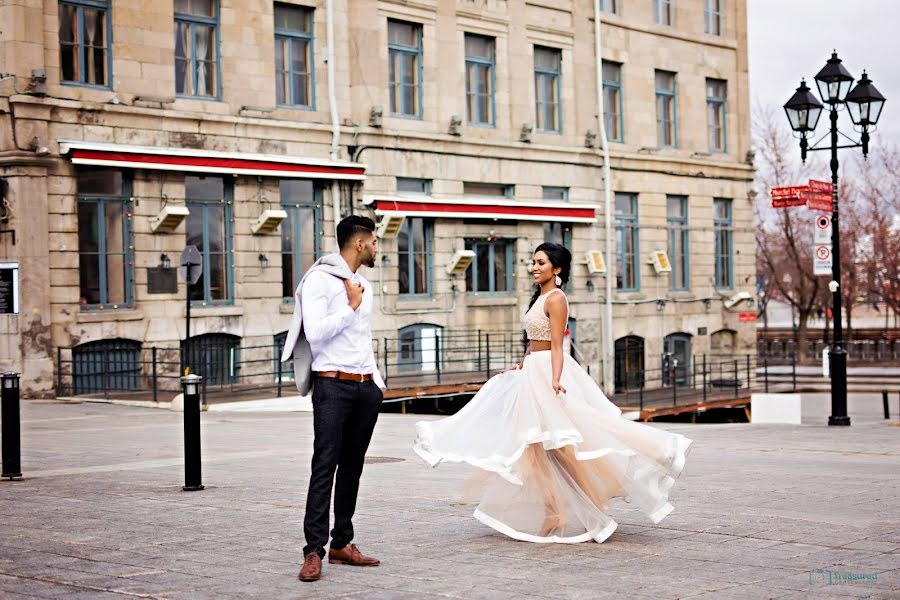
{"x": 558, "y": 311}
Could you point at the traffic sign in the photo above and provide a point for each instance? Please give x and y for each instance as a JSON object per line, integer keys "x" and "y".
{"x": 783, "y": 197}
{"x": 817, "y": 200}
{"x": 191, "y": 259}
{"x": 822, "y": 259}
{"x": 822, "y": 229}
{"x": 820, "y": 187}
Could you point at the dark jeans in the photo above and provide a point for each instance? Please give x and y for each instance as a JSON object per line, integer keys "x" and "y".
{"x": 344, "y": 416}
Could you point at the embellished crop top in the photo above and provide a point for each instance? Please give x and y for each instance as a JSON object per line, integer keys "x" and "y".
{"x": 537, "y": 324}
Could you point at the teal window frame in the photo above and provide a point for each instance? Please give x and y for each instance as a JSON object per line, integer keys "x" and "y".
{"x": 723, "y": 227}
{"x": 554, "y": 193}
{"x": 413, "y": 186}
{"x": 712, "y": 13}
{"x": 612, "y": 97}
{"x": 193, "y": 22}
{"x": 628, "y": 268}
{"x": 679, "y": 242}
{"x": 547, "y": 90}
{"x": 406, "y": 261}
{"x": 102, "y": 254}
{"x": 666, "y": 111}
{"x": 474, "y": 93}
{"x": 401, "y": 55}
{"x": 80, "y": 47}
{"x": 491, "y": 248}
{"x": 290, "y": 38}
{"x": 717, "y": 112}
{"x": 664, "y": 12}
{"x": 228, "y": 217}
{"x": 295, "y": 211}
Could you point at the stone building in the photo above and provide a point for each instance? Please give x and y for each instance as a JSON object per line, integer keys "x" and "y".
{"x": 130, "y": 129}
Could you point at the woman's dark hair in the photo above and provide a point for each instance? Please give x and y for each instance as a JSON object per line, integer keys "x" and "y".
{"x": 560, "y": 258}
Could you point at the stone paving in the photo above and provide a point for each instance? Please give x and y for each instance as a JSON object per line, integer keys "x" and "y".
{"x": 762, "y": 511}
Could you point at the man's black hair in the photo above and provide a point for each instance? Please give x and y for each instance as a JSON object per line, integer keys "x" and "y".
{"x": 352, "y": 226}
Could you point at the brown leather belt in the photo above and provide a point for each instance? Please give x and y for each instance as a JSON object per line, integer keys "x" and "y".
{"x": 360, "y": 377}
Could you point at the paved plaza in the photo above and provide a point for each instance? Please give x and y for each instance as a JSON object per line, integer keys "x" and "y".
{"x": 761, "y": 511}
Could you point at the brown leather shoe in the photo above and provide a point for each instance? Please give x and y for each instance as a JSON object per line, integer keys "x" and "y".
{"x": 350, "y": 555}
{"x": 312, "y": 567}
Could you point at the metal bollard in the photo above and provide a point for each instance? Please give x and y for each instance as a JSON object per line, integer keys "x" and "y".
{"x": 12, "y": 446}
{"x": 192, "y": 476}
{"x": 884, "y": 400}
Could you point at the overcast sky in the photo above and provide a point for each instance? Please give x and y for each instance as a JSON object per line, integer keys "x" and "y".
{"x": 790, "y": 39}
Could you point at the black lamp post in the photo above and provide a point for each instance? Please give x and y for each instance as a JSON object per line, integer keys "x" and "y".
{"x": 864, "y": 103}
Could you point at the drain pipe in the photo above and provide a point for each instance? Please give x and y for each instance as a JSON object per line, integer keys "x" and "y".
{"x": 335, "y": 118}
{"x": 608, "y": 353}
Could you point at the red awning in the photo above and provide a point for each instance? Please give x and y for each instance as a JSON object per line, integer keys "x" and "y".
{"x": 204, "y": 161}
{"x": 481, "y": 208}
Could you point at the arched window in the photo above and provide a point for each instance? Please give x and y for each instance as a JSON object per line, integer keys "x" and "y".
{"x": 676, "y": 360}
{"x": 723, "y": 342}
{"x": 629, "y": 363}
{"x": 214, "y": 356}
{"x": 420, "y": 347}
{"x": 106, "y": 365}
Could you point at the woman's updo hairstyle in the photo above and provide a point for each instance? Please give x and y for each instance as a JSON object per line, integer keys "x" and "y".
{"x": 560, "y": 258}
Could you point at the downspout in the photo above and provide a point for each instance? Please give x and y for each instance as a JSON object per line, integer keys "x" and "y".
{"x": 608, "y": 354}
{"x": 335, "y": 118}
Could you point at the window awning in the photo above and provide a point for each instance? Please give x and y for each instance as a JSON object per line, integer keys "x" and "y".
{"x": 207, "y": 161}
{"x": 483, "y": 208}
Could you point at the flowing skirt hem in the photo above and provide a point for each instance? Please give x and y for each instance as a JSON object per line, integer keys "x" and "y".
{"x": 598, "y": 535}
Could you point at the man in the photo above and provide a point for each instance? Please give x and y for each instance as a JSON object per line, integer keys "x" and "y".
{"x": 334, "y": 306}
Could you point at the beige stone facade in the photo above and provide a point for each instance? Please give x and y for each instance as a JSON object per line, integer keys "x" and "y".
{"x": 137, "y": 107}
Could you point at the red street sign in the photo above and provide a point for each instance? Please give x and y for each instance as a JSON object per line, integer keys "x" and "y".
{"x": 791, "y": 191}
{"x": 821, "y": 187}
{"x": 787, "y": 202}
{"x": 817, "y": 200}
{"x": 746, "y": 317}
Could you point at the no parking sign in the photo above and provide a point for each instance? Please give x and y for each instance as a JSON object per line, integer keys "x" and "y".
{"x": 822, "y": 259}
{"x": 822, "y": 229}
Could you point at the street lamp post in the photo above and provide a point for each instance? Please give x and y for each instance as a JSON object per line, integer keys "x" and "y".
{"x": 864, "y": 103}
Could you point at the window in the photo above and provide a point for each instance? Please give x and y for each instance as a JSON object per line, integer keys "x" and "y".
{"x": 301, "y": 232}
{"x": 105, "y": 254}
{"x": 722, "y": 227}
{"x": 491, "y": 190}
{"x": 405, "y": 66}
{"x": 666, "y": 127}
{"x": 723, "y": 342}
{"x": 84, "y": 41}
{"x": 106, "y": 365}
{"x": 627, "y": 243}
{"x": 479, "y": 79}
{"x": 712, "y": 12}
{"x": 715, "y": 106}
{"x": 492, "y": 269}
{"x": 196, "y": 48}
{"x": 209, "y": 229}
{"x": 558, "y": 233}
{"x": 629, "y": 373}
{"x": 420, "y": 347}
{"x": 662, "y": 12}
{"x": 679, "y": 247}
{"x": 610, "y": 6}
{"x": 414, "y": 254}
{"x": 214, "y": 356}
{"x": 412, "y": 185}
{"x": 547, "y": 69}
{"x": 612, "y": 101}
{"x": 556, "y": 194}
{"x": 294, "y": 72}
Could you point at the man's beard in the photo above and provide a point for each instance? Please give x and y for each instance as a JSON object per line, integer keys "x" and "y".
{"x": 369, "y": 262}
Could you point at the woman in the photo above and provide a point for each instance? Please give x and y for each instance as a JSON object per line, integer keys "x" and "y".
{"x": 554, "y": 449}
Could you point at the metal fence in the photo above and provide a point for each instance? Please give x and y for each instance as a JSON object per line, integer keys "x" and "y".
{"x": 863, "y": 351}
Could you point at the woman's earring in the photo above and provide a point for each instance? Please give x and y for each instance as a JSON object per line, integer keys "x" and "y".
{"x": 558, "y": 281}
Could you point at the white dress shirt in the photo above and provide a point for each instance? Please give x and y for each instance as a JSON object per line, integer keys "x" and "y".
{"x": 340, "y": 338}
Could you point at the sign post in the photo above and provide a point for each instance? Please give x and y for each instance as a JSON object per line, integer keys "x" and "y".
{"x": 191, "y": 269}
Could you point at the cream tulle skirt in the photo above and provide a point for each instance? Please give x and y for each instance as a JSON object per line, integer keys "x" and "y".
{"x": 552, "y": 463}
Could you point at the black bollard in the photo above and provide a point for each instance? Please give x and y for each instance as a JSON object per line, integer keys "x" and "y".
{"x": 192, "y": 476}
{"x": 12, "y": 446}
{"x": 884, "y": 400}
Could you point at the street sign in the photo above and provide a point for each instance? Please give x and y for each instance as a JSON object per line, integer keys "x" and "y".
{"x": 747, "y": 317}
{"x": 820, "y": 187}
{"x": 822, "y": 259}
{"x": 191, "y": 258}
{"x": 783, "y": 197}
{"x": 817, "y": 201}
{"x": 822, "y": 229}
